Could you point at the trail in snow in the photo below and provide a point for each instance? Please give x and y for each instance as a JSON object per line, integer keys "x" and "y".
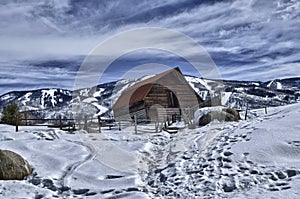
{"x": 69, "y": 170}
{"x": 222, "y": 162}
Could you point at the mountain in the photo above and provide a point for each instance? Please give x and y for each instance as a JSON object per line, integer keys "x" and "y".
{"x": 50, "y": 103}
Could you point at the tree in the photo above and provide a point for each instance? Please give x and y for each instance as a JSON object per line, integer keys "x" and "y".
{"x": 10, "y": 114}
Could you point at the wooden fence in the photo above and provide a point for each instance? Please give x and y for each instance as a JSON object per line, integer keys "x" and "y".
{"x": 67, "y": 124}
{"x": 91, "y": 124}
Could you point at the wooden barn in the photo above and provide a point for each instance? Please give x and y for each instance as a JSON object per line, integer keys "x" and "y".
{"x": 159, "y": 97}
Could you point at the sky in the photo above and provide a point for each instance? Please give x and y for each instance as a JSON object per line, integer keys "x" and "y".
{"x": 44, "y": 42}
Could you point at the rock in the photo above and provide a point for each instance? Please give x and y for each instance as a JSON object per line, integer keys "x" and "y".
{"x": 232, "y": 112}
{"x": 13, "y": 166}
{"x": 226, "y": 114}
{"x": 49, "y": 184}
{"x": 35, "y": 181}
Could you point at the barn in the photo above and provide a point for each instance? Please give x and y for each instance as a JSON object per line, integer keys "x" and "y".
{"x": 162, "y": 96}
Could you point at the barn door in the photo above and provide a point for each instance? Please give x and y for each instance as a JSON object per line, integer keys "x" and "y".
{"x": 172, "y": 100}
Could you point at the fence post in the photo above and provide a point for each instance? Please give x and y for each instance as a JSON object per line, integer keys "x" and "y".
{"x": 25, "y": 115}
{"x": 17, "y": 123}
{"x": 189, "y": 117}
{"x": 168, "y": 121}
{"x": 156, "y": 125}
{"x": 135, "y": 123}
{"x": 60, "y": 123}
{"x": 85, "y": 127}
{"x": 246, "y": 111}
{"x": 99, "y": 123}
{"x": 266, "y": 110}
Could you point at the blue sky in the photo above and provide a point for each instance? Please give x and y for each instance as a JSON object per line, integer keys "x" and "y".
{"x": 43, "y": 42}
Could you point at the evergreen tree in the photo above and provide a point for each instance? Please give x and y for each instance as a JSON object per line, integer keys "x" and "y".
{"x": 10, "y": 114}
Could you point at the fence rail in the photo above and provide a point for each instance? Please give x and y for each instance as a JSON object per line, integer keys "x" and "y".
{"x": 67, "y": 123}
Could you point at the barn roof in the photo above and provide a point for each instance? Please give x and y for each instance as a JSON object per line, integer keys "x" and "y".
{"x": 139, "y": 90}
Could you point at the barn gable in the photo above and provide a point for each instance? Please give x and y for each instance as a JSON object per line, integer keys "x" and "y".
{"x": 168, "y": 90}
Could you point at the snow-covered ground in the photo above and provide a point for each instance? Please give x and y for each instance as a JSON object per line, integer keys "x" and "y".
{"x": 256, "y": 158}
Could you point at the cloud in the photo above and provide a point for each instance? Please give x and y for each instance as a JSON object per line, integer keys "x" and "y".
{"x": 252, "y": 40}
{"x": 16, "y": 76}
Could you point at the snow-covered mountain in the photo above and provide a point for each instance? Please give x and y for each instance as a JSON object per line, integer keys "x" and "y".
{"x": 254, "y": 94}
{"x": 49, "y": 103}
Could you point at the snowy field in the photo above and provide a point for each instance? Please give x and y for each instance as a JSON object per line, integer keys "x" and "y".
{"x": 256, "y": 158}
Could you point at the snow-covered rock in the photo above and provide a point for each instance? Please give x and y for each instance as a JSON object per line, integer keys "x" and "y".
{"x": 203, "y": 116}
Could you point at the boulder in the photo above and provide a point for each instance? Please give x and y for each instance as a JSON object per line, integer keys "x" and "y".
{"x": 13, "y": 166}
{"x": 224, "y": 114}
{"x": 232, "y": 112}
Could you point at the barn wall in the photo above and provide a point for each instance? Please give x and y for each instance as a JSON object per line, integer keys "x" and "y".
{"x": 157, "y": 95}
{"x": 183, "y": 91}
{"x": 127, "y": 113}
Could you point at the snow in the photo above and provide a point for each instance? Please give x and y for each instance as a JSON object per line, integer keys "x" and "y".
{"x": 51, "y": 94}
{"x": 98, "y": 93}
{"x": 117, "y": 93}
{"x": 275, "y": 85}
{"x": 79, "y": 161}
{"x": 27, "y": 98}
{"x": 240, "y": 89}
{"x": 6, "y": 97}
{"x": 279, "y": 85}
{"x": 84, "y": 92}
{"x": 90, "y": 100}
{"x": 144, "y": 78}
{"x": 254, "y": 158}
{"x": 102, "y": 109}
{"x": 193, "y": 80}
{"x": 204, "y": 111}
{"x": 225, "y": 97}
